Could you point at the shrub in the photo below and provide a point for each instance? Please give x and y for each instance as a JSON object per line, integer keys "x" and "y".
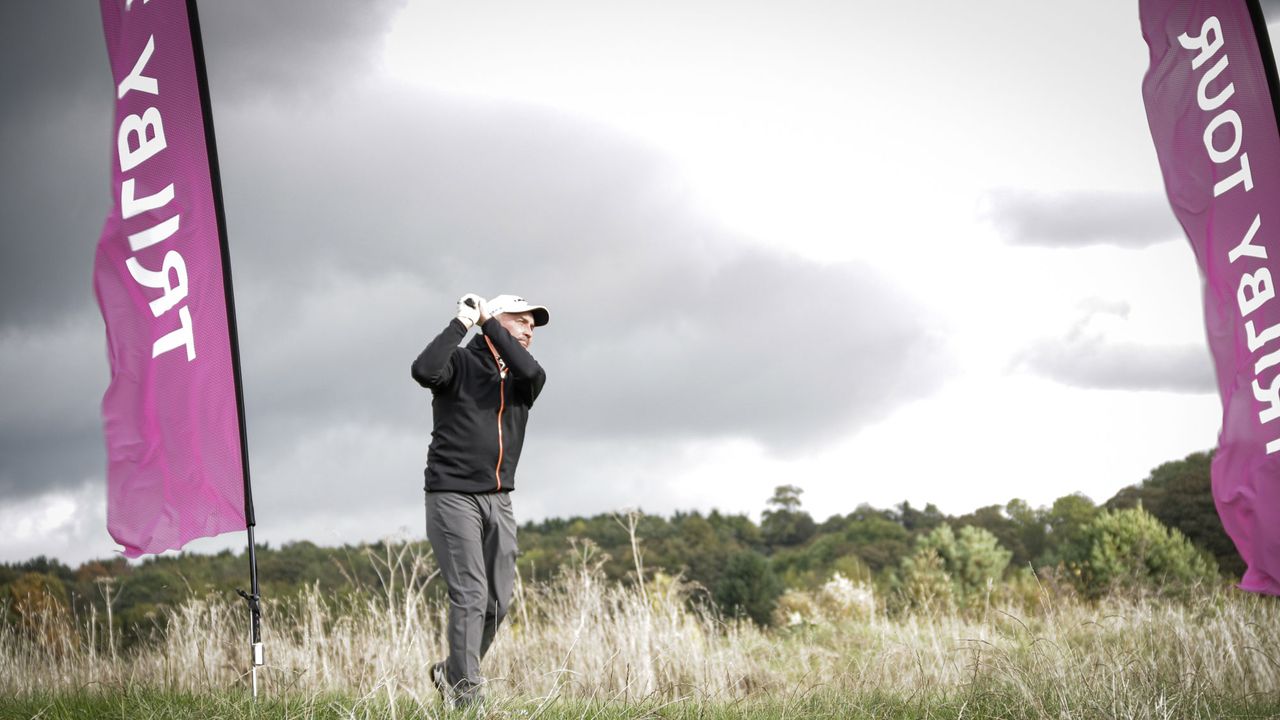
{"x": 796, "y": 607}
{"x": 1130, "y": 550}
{"x": 954, "y": 569}
{"x": 839, "y": 600}
{"x": 926, "y": 584}
{"x": 748, "y": 587}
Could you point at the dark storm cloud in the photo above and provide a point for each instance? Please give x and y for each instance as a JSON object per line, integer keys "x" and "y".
{"x": 50, "y": 437}
{"x": 54, "y": 54}
{"x": 1081, "y": 219}
{"x": 54, "y": 134}
{"x": 663, "y": 324}
{"x": 291, "y": 50}
{"x": 348, "y": 259}
{"x": 356, "y": 218}
{"x": 53, "y": 199}
{"x": 57, "y": 90}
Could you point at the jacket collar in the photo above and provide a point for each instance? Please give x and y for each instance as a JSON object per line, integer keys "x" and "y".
{"x": 490, "y": 358}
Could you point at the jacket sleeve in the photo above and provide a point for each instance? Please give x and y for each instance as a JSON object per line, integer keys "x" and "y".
{"x": 519, "y": 361}
{"x": 433, "y": 368}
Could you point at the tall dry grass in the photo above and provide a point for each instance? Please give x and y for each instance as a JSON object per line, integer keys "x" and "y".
{"x": 582, "y": 637}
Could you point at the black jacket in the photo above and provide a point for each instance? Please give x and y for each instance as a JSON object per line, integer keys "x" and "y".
{"x": 479, "y": 417}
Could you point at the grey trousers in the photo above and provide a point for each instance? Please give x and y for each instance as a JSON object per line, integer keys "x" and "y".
{"x": 474, "y": 541}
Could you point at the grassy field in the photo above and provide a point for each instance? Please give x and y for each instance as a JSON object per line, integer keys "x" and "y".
{"x": 582, "y": 647}
{"x": 147, "y": 705}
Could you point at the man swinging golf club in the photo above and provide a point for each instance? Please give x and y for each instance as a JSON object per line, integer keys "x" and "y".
{"x": 482, "y": 393}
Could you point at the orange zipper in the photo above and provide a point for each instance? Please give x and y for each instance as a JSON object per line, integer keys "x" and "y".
{"x": 502, "y": 406}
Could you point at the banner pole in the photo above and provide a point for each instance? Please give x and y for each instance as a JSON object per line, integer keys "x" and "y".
{"x": 253, "y": 597}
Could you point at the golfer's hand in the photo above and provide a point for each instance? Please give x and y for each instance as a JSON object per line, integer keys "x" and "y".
{"x": 469, "y": 309}
{"x": 484, "y": 310}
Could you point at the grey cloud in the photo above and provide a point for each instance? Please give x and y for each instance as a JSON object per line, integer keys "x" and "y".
{"x": 1082, "y": 219}
{"x": 279, "y": 51}
{"x": 56, "y": 121}
{"x": 663, "y": 324}
{"x": 1124, "y": 366}
{"x": 53, "y": 210}
{"x": 347, "y": 262}
{"x": 352, "y": 231}
{"x": 67, "y": 523}
{"x": 54, "y": 56}
{"x": 1086, "y": 358}
{"x": 1096, "y": 306}
{"x": 54, "y": 134}
{"x": 50, "y": 437}
{"x": 617, "y": 474}
{"x": 759, "y": 346}
{"x": 289, "y": 51}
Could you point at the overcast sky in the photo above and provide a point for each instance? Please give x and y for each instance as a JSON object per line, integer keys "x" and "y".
{"x": 881, "y": 251}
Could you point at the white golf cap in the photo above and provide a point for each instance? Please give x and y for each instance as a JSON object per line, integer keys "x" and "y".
{"x": 517, "y": 304}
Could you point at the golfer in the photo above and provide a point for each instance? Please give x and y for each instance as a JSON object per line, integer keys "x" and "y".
{"x": 481, "y": 395}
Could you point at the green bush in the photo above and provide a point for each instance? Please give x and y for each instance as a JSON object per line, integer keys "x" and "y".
{"x": 1131, "y": 551}
{"x": 969, "y": 563}
{"x": 1180, "y": 495}
{"x": 749, "y": 587}
{"x": 926, "y": 584}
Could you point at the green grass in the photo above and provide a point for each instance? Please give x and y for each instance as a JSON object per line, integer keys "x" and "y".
{"x": 144, "y": 704}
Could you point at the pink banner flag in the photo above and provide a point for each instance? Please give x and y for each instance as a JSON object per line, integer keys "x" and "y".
{"x": 171, "y": 414}
{"x": 1210, "y": 105}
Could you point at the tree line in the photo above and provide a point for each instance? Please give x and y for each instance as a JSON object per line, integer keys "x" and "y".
{"x": 1161, "y": 535}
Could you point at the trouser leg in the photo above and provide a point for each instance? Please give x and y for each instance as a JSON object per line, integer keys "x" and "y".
{"x": 455, "y": 528}
{"x": 500, "y": 561}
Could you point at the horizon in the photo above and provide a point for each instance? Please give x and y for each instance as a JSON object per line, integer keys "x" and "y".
{"x": 405, "y": 535}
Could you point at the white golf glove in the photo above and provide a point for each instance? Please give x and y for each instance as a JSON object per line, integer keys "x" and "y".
{"x": 469, "y": 309}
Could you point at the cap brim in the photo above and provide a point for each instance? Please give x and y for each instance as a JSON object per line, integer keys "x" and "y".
{"x": 540, "y": 315}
